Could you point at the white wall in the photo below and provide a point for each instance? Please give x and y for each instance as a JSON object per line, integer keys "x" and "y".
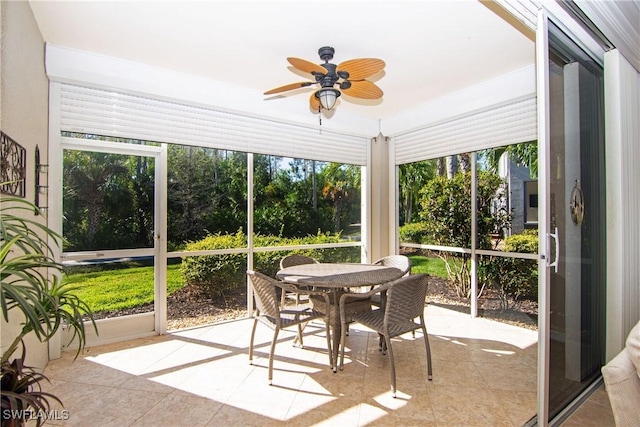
{"x": 23, "y": 113}
{"x": 622, "y": 135}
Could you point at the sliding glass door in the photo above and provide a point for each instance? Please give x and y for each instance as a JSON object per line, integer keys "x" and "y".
{"x": 112, "y": 199}
{"x": 574, "y": 289}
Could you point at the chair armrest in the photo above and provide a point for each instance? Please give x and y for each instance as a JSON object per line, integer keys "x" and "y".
{"x": 351, "y": 296}
{"x": 377, "y": 290}
{"x": 294, "y": 289}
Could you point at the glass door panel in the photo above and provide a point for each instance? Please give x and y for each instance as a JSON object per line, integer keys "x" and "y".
{"x": 108, "y": 225}
{"x": 507, "y": 234}
{"x": 576, "y": 179}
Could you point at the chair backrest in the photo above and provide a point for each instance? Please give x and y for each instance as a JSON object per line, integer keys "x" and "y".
{"x": 296, "y": 259}
{"x": 406, "y": 298}
{"x": 264, "y": 292}
{"x": 400, "y": 262}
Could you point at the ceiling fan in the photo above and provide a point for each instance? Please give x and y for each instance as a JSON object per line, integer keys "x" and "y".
{"x": 349, "y": 76}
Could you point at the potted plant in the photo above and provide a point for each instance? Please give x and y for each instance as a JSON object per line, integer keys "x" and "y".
{"x": 29, "y": 277}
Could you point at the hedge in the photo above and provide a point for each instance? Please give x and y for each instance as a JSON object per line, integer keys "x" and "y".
{"x": 219, "y": 274}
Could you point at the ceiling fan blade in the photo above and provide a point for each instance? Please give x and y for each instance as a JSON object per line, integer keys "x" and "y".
{"x": 306, "y": 66}
{"x": 290, "y": 86}
{"x": 363, "y": 89}
{"x": 314, "y": 103}
{"x": 361, "y": 68}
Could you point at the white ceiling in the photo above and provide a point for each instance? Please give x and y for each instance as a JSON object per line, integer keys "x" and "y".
{"x": 431, "y": 48}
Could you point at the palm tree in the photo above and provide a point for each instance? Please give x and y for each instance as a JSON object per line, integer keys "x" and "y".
{"x": 88, "y": 175}
{"x": 412, "y": 177}
{"x": 522, "y": 154}
{"x": 342, "y": 182}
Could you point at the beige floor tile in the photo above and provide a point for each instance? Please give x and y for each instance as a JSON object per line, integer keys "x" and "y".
{"x": 454, "y": 373}
{"x": 106, "y": 406}
{"x": 483, "y": 374}
{"x": 520, "y": 406}
{"x": 512, "y": 377}
{"x": 86, "y": 371}
{"x": 229, "y": 415}
{"x": 405, "y": 406}
{"x": 454, "y": 405}
{"x": 341, "y": 412}
{"x": 449, "y": 348}
{"x": 179, "y": 409}
{"x": 596, "y": 412}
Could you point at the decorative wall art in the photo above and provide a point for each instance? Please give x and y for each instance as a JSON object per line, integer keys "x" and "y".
{"x": 13, "y": 164}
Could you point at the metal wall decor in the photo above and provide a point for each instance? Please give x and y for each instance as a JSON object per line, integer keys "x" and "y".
{"x": 13, "y": 164}
{"x": 577, "y": 204}
{"x": 40, "y": 169}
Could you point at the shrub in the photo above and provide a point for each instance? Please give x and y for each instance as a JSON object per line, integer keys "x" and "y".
{"x": 445, "y": 210}
{"x": 527, "y": 242}
{"x": 217, "y": 274}
{"x": 514, "y": 278}
{"x": 413, "y": 232}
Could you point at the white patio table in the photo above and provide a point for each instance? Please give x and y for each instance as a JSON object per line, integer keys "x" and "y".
{"x": 338, "y": 278}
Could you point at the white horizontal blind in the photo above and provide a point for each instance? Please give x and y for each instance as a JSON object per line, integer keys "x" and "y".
{"x": 510, "y": 123}
{"x": 110, "y": 113}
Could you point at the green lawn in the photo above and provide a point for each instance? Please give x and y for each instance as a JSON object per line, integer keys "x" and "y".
{"x": 110, "y": 290}
{"x": 433, "y": 266}
{"x": 121, "y": 289}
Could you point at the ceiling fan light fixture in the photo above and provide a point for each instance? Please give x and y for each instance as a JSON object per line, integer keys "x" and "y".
{"x": 327, "y": 97}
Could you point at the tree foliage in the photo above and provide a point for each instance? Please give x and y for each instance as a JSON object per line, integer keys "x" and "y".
{"x": 446, "y": 214}
{"x": 525, "y": 154}
{"x": 412, "y": 177}
{"x": 108, "y": 198}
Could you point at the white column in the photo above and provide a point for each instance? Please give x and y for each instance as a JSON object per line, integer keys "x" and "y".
{"x": 379, "y": 191}
{"x": 572, "y": 238}
{"x": 622, "y": 157}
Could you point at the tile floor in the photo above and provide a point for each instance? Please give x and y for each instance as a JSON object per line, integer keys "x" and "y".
{"x": 484, "y": 375}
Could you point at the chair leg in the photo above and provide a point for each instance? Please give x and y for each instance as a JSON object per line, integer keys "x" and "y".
{"x": 283, "y": 297}
{"x": 253, "y": 334}
{"x": 392, "y": 366}
{"x": 299, "y": 336}
{"x": 271, "y": 352}
{"x": 329, "y": 346}
{"x": 428, "y": 348}
{"x": 343, "y": 339}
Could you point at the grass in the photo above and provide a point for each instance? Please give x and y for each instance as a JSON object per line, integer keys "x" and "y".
{"x": 432, "y": 266}
{"x": 111, "y": 290}
{"x": 125, "y": 288}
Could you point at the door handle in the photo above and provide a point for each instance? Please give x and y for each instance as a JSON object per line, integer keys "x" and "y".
{"x": 553, "y": 264}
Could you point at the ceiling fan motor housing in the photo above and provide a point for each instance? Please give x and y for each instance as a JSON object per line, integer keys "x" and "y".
{"x": 330, "y": 78}
{"x": 326, "y": 53}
